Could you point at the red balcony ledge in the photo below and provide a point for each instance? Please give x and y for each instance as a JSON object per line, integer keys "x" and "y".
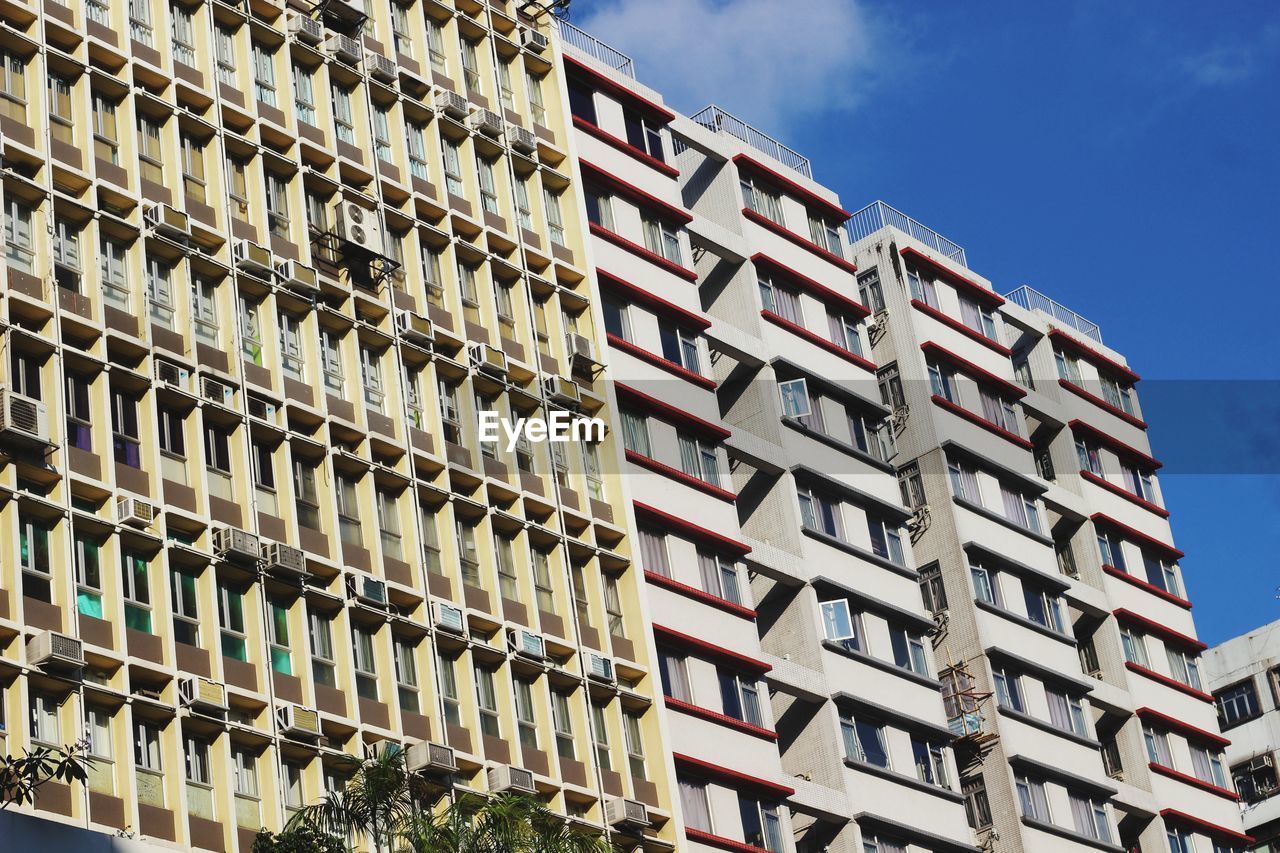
{"x": 617, "y": 90}
{"x": 1146, "y": 586}
{"x": 719, "y": 719}
{"x": 696, "y": 644}
{"x": 769, "y": 225}
{"x": 660, "y": 362}
{"x": 1116, "y": 446}
{"x": 1195, "y": 782}
{"x": 1094, "y": 357}
{"x": 689, "y": 530}
{"x": 711, "y": 840}
{"x": 733, "y": 778}
{"x": 979, "y": 420}
{"x": 819, "y": 341}
{"x": 1139, "y": 538}
{"x": 1203, "y": 826}
{"x": 699, "y": 595}
{"x": 625, "y": 147}
{"x": 819, "y": 290}
{"x": 1168, "y": 682}
{"x": 975, "y": 372}
{"x": 643, "y": 253}
{"x": 1121, "y": 492}
{"x": 973, "y": 334}
{"x": 790, "y": 187}
{"x": 666, "y": 412}
{"x": 1090, "y": 397}
{"x": 1163, "y": 631}
{"x": 638, "y": 196}
{"x": 1183, "y": 728}
{"x": 680, "y": 477}
{"x": 620, "y": 285}
{"x": 977, "y": 291}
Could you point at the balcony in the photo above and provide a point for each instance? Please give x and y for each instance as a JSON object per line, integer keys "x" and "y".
{"x": 1034, "y": 300}
{"x": 716, "y": 120}
{"x": 596, "y": 49}
{"x": 879, "y": 215}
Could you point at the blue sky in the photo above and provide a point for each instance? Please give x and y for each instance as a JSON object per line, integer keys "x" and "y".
{"x": 1122, "y": 158}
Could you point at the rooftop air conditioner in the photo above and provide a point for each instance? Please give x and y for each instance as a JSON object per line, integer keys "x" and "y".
{"x": 23, "y": 417}
{"x": 507, "y": 778}
{"x": 415, "y": 327}
{"x": 343, "y": 47}
{"x": 216, "y": 390}
{"x": 196, "y": 692}
{"x": 488, "y": 359}
{"x": 360, "y": 227}
{"x": 601, "y": 668}
{"x": 449, "y": 618}
{"x": 251, "y": 258}
{"x": 624, "y": 812}
{"x": 172, "y": 374}
{"x": 380, "y": 67}
{"x": 367, "y": 590}
{"x": 135, "y": 512}
{"x": 533, "y": 40}
{"x": 427, "y": 757}
{"x": 52, "y": 649}
{"x": 521, "y": 139}
{"x": 234, "y": 543}
{"x": 167, "y": 221}
{"x": 284, "y": 559}
{"x": 299, "y": 278}
{"x": 298, "y": 720}
{"x": 306, "y": 29}
{"x": 562, "y": 390}
{"x": 451, "y": 103}
{"x": 526, "y": 643}
{"x": 487, "y": 122}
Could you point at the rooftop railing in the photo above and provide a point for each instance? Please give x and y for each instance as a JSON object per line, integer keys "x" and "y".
{"x": 596, "y": 49}
{"x": 878, "y": 215}
{"x": 1034, "y": 300}
{"x": 717, "y": 120}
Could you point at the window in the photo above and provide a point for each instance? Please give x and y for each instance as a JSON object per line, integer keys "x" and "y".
{"x": 1031, "y": 798}
{"x": 740, "y": 697}
{"x": 1161, "y": 574}
{"x": 488, "y": 186}
{"x": 661, "y": 238}
{"x": 908, "y": 650}
{"x": 150, "y": 150}
{"x": 674, "y": 670}
{"x": 470, "y": 67}
{"x": 1179, "y": 840}
{"x": 344, "y": 122}
{"x": 869, "y": 291}
{"x": 922, "y": 289}
{"x": 1157, "y": 744}
{"x": 643, "y": 133}
{"x": 780, "y": 300}
{"x": 320, "y": 635}
{"x": 634, "y": 735}
{"x": 555, "y": 219}
{"x": 115, "y": 287}
{"x": 13, "y": 86}
{"x": 930, "y": 760}
{"x": 600, "y": 736}
{"x": 525, "y": 719}
{"x": 910, "y": 483}
{"x": 305, "y": 493}
{"x": 599, "y": 206}
{"x": 348, "y": 510}
{"x": 698, "y": 459}
{"x": 820, "y": 513}
{"x": 366, "y": 662}
{"x": 544, "y": 591}
{"x": 680, "y": 346}
{"x": 932, "y": 591}
{"x": 401, "y": 29}
{"x": 183, "y": 32}
{"x": 140, "y": 29}
{"x": 19, "y": 246}
{"x": 435, "y": 46}
{"x": 1138, "y": 482}
{"x": 146, "y": 747}
{"x": 1238, "y": 703}
{"x": 44, "y": 719}
{"x": 653, "y": 550}
{"x": 60, "y": 113}
{"x": 524, "y": 209}
{"x": 87, "y": 556}
{"x": 277, "y": 205}
{"x": 1207, "y": 764}
{"x": 1021, "y": 509}
{"x": 1090, "y": 817}
{"x": 1068, "y": 366}
{"x": 613, "y": 607}
{"x": 33, "y": 554}
{"x": 985, "y": 584}
{"x": 761, "y": 199}
{"x": 617, "y": 320}
{"x": 978, "y": 317}
{"x": 97, "y": 724}
{"x": 1185, "y": 667}
{"x": 977, "y": 807}
{"x": 278, "y": 637}
{"x": 999, "y": 411}
{"x": 1008, "y": 690}
{"x": 231, "y": 621}
{"x": 217, "y": 449}
{"x": 1134, "y": 645}
{"x": 185, "y": 600}
{"x": 942, "y": 382}
{"x": 1111, "y": 551}
{"x": 694, "y": 804}
{"x": 137, "y": 591}
{"x": 449, "y": 689}
{"x": 562, "y": 720}
{"x": 886, "y": 540}
{"x": 508, "y": 583}
{"x": 1089, "y": 457}
{"x": 99, "y": 12}
{"x": 264, "y": 76}
{"x": 487, "y": 701}
{"x": 537, "y": 106}
{"x": 449, "y": 417}
{"x": 196, "y": 752}
{"x": 761, "y": 825}
{"x": 826, "y": 235}
{"x": 842, "y": 625}
{"x": 864, "y": 741}
{"x": 582, "y": 101}
{"x": 371, "y": 378}
{"x": 225, "y": 51}
{"x": 1118, "y": 394}
{"x": 245, "y": 765}
{"x": 844, "y": 332}
{"x": 1043, "y": 607}
{"x": 467, "y": 555}
{"x": 1066, "y": 712}
{"x": 719, "y": 576}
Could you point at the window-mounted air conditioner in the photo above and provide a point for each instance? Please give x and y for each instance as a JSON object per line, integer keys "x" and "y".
{"x": 23, "y": 418}
{"x": 167, "y": 221}
{"x": 507, "y": 778}
{"x": 427, "y": 757}
{"x": 134, "y": 512}
{"x": 196, "y": 692}
{"x": 55, "y": 650}
{"x": 449, "y": 618}
{"x": 284, "y": 559}
{"x": 298, "y": 720}
{"x": 624, "y": 812}
{"x": 249, "y": 257}
{"x": 235, "y": 544}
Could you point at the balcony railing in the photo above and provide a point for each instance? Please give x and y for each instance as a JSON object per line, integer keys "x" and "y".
{"x": 877, "y": 215}
{"x": 717, "y": 120}
{"x": 1034, "y": 300}
{"x": 596, "y": 49}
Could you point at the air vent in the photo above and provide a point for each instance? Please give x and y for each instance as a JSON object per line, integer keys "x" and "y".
{"x": 449, "y": 618}
{"x": 533, "y": 40}
{"x": 262, "y": 409}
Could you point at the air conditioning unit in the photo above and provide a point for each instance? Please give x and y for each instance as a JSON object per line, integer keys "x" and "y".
{"x": 306, "y": 29}
{"x": 533, "y": 40}
{"x": 166, "y": 221}
{"x": 487, "y": 122}
{"x": 526, "y": 643}
{"x": 379, "y": 748}
{"x": 135, "y": 512}
{"x": 379, "y": 66}
{"x": 624, "y": 812}
{"x": 251, "y": 258}
{"x": 601, "y": 668}
{"x": 172, "y": 374}
{"x": 262, "y": 409}
{"x": 430, "y": 757}
{"x": 451, "y": 103}
{"x": 284, "y": 559}
{"x": 298, "y": 277}
{"x": 488, "y": 359}
{"x": 507, "y": 778}
{"x": 367, "y": 590}
{"x": 343, "y": 47}
{"x": 234, "y": 543}
{"x": 1260, "y": 762}
{"x": 415, "y": 327}
{"x": 23, "y": 417}
{"x": 562, "y": 390}
{"x": 360, "y": 227}
{"x": 216, "y": 390}
{"x": 580, "y": 348}
{"x": 449, "y": 618}
{"x": 521, "y": 139}
{"x": 49, "y": 648}
{"x": 298, "y": 720}
{"x": 197, "y": 692}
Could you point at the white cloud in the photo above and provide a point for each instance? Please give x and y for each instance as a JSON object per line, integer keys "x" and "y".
{"x": 768, "y": 61}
